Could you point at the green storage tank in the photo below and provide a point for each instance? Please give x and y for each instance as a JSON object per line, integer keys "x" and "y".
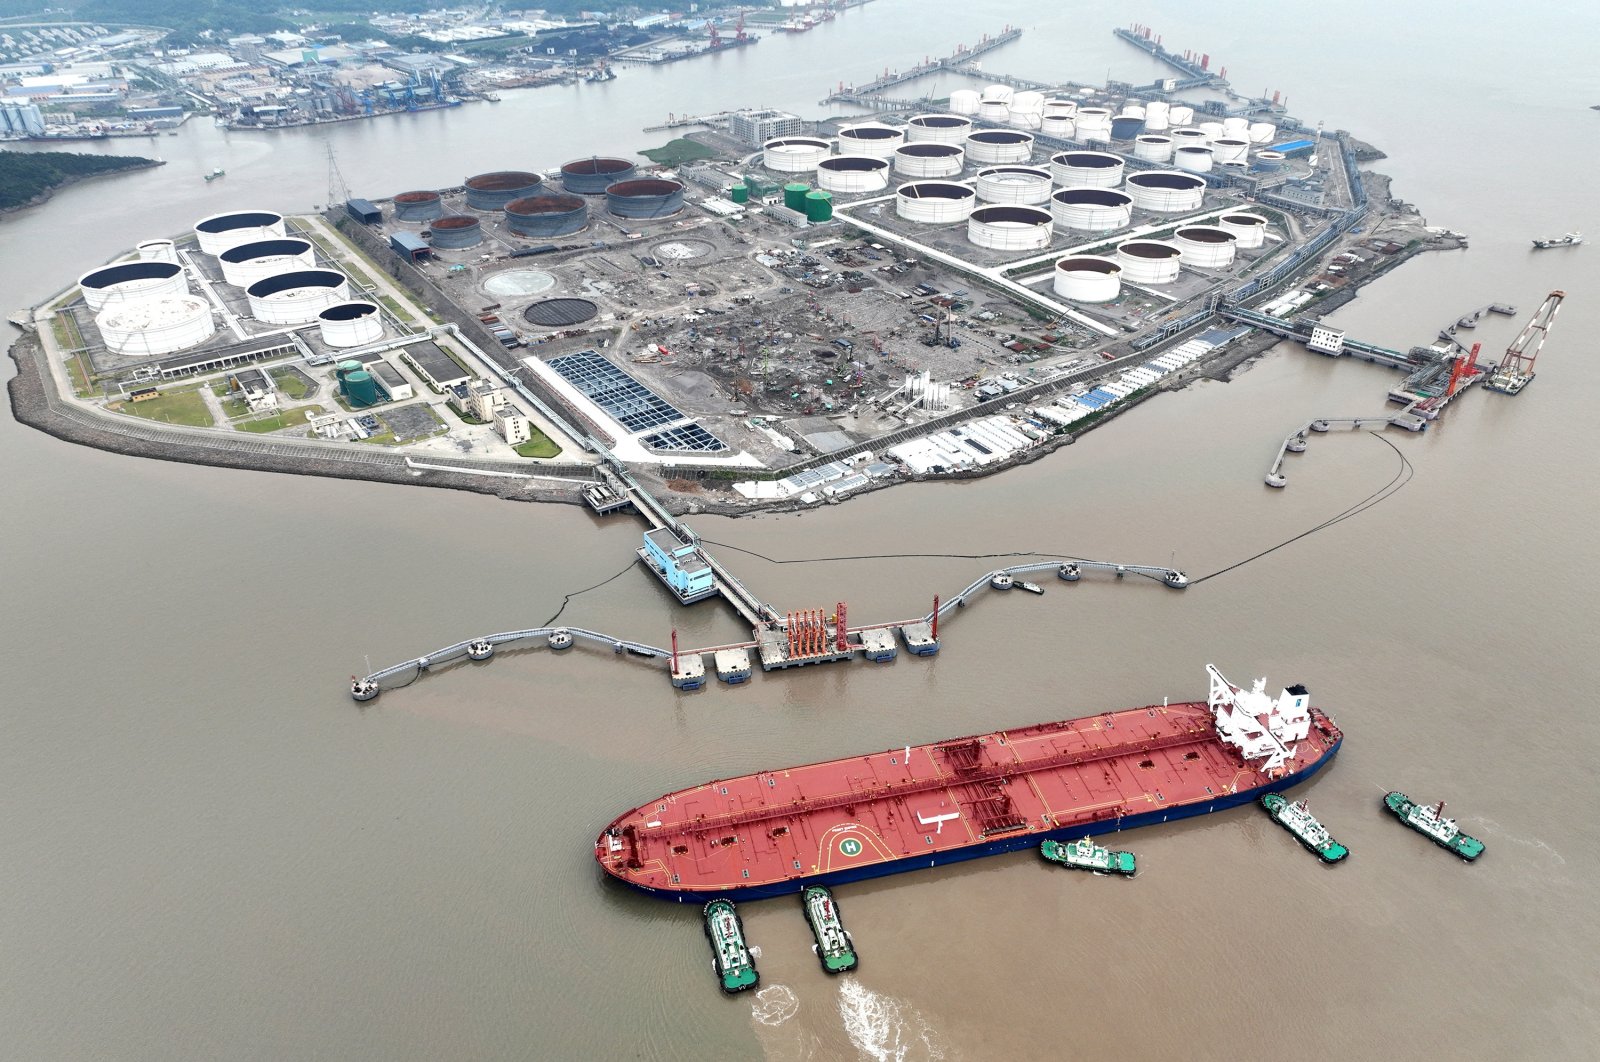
{"x": 739, "y": 193}
{"x": 343, "y": 369}
{"x": 794, "y": 196}
{"x": 819, "y": 206}
{"x": 361, "y": 389}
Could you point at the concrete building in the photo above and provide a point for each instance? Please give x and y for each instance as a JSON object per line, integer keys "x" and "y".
{"x": 679, "y": 564}
{"x": 390, "y": 379}
{"x": 513, "y": 427}
{"x": 1325, "y": 340}
{"x": 255, "y": 388}
{"x": 437, "y": 368}
{"x": 757, "y": 127}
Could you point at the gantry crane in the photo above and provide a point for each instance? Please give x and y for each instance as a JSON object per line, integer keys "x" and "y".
{"x": 1516, "y": 369}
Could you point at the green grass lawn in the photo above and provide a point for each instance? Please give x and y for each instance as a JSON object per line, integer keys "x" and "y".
{"x": 541, "y": 445}
{"x": 233, "y": 408}
{"x": 677, "y": 152}
{"x": 290, "y": 383}
{"x": 288, "y": 418}
{"x": 80, "y": 378}
{"x": 173, "y": 407}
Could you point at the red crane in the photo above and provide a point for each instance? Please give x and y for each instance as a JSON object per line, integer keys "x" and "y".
{"x": 739, "y": 34}
{"x": 1524, "y": 350}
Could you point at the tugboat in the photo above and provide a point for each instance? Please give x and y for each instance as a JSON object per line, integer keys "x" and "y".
{"x": 1084, "y": 854}
{"x": 1431, "y": 823}
{"x": 835, "y": 947}
{"x": 1571, "y": 239}
{"x": 730, "y": 957}
{"x": 1295, "y": 818}
{"x": 1032, "y": 588}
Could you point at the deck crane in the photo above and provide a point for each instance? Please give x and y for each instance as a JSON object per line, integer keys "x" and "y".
{"x": 739, "y": 34}
{"x": 1461, "y": 374}
{"x": 1516, "y": 369}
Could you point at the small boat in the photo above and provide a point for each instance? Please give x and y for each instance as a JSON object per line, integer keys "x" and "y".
{"x": 1084, "y": 854}
{"x": 1571, "y": 239}
{"x": 1032, "y": 588}
{"x": 1298, "y": 820}
{"x": 835, "y": 947}
{"x": 214, "y": 174}
{"x": 730, "y": 957}
{"x": 1431, "y": 823}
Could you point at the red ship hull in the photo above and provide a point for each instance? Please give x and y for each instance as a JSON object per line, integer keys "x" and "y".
{"x": 774, "y": 832}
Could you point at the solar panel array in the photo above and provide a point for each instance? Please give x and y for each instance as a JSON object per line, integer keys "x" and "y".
{"x": 635, "y": 406}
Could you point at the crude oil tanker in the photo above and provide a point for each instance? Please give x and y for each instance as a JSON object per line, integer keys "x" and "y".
{"x": 774, "y": 832}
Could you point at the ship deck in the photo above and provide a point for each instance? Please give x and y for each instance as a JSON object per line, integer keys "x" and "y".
{"x": 928, "y": 801}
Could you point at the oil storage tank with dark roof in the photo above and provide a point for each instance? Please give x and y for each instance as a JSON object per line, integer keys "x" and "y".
{"x": 592, "y": 176}
{"x": 647, "y": 197}
{"x": 547, "y": 215}
{"x": 220, "y": 231}
{"x": 132, "y": 280}
{"x": 492, "y": 191}
{"x": 249, "y": 262}
{"x": 297, "y": 297}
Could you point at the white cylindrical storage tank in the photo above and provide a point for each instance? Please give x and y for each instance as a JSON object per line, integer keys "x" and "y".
{"x": 1180, "y": 115}
{"x": 1058, "y": 125}
{"x": 1013, "y": 184}
{"x": 1132, "y": 109}
{"x": 1026, "y": 110}
{"x": 1157, "y": 115}
{"x": 999, "y": 145}
{"x": 929, "y": 160}
{"x": 1211, "y": 129}
{"x": 1205, "y": 246}
{"x": 249, "y": 262}
{"x": 1261, "y": 132}
{"x": 938, "y": 128}
{"x": 1087, "y": 169}
{"x": 997, "y": 93}
{"x": 964, "y": 101}
{"x": 1152, "y": 147}
{"x": 1190, "y": 137}
{"x": 159, "y": 325}
{"x": 870, "y": 138}
{"x": 1166, "y": 191}
{"x": 129, "y": 281}
{"x": 1009, "y": 228}
{"x": 1249, "y": 230}
{"x": 794, "y": 154}
{"x": 1193, "y": 158}
{"x": 1268, "y": 161}
{"x": 934, "y": 202}
{"x": 853, "y": 174}
{"x": 1094, "y": 123}
{"x": 1149, "y": 261}
{"x": 1091, "y": 209}
{"x": 297, "y": 298}
{"x": 1236, "y": 128}
{"x": 1061, "y": 107}
{"x": 1024, "y": 119}
{"x": 350, "y": 324}
{"x": 157, "y": 251}
{"x": 995, "y": 103}
{"x": 220, "y": 231}
{"x": 1227, "y": 149}
{"x": 1088, "y": 278}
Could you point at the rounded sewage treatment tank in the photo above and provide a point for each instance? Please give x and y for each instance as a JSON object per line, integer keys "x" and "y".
{"x": 350, "y": 324}
{"x": 794, "y": 154}
{"x": 296, "y": 297}
{"x": 492, "y": 191}
{"x": 1249, "y": 230}
{"x": 739, "y": 193}
{"x": 1087, "y": 169}
{"x": 125, "y": 281}
{"x": 1261, "y": 132}
{"x": 220, "y": 231}
{"x": 934, "y": 202}
{"x": 938, "y": 128}
{"x": 1206, "y": 246}
{"x": 1226, "y": 150}
{"x": 999, "y": 145}
{"x": 870, "y": 138}
{"x": 1010, "y": 228}
{"x": 1091, "y": 209}
{"x": 1149, "y": 261}
{"x": 1060, "y": 126}
{"x": 455, "y": 231}
{"x": 819, "y": 206}
{"x": 645, "y": 198}
{"x": 929, "y": 160}
{"x": 1088, "y": 278}
{"x": 547, "y": 215}
{"x": 418, "y": 206}
{"x": 1153, "y": 147}
{"x": 1193, "y": 158}
{"x": 794, "y": 195}
{"x": 361, "y": 389}
{"x": 1013, "y": 184}
{"x": 964, "y": 101}
{"x": 1124, "y": 127}
{"x": 249, "y": 262}
{"x": 157, "y": 251}
{"x": 853, "y": 174}
{"x": 1268, "y": 161}
{"x": 159, "y": 324}
{"x": 592, "y": 176}
{"x": 1166, "y": 191}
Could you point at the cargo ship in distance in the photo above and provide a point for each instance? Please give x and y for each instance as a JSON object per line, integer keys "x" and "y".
{"x": 772, "y": 833}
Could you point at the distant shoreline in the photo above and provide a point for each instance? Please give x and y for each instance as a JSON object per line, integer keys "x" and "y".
{"x": 77, "y": 178}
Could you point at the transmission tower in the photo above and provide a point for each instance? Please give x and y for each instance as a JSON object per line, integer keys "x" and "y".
{"x": 338, "y": 188}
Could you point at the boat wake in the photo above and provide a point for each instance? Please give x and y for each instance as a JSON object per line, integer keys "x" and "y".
{"x": 1489, "y": 826}
{"x": 775, "y": 1005}
{"x": 884, "y": 1028}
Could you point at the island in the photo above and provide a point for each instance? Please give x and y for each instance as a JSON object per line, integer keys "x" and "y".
{"x": 28, "y": 178}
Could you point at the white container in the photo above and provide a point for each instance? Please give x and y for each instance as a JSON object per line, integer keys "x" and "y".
{"x": 297, "y": 297}
{"x": 1010, "y": 228}
{"x": 794, "y": 154}
{"x": 1205, "y": 246}
{"x": 964, "y": 101}
{"x": 1190, "y": 137}
{"x": 1013, "y": 184}
{"x": 1179, "y": 116}
{"x": 1157, "y": 116}
{"x": 1227, "y": 150}
{"x": 1088, "y": 278}
{"x": 1192, "y": 158}
{"x": 350, "y": 324}
{"x": 1262, "y": 132}
{"x": 999, "y": 145}
{"x": 938, "y": 128}
{"x": 1249, "y": 230}
{"x": 870, "y": 138}
{"x": 132, "y": 281}
{"x": 1211, "y": 129}
{"x": 1166, "y": 191}
{"x": 1152, "y": 147}
{"x": 249, "y": 262}
{"x": 1087, "y": 169}
{"x": 853, "y": 174}
{"x": 220, "y": 231}
{"x": 1058, "y": 125}
{"x": 1236, "y": 128}
{"x": 1091, "y": 209}
{"x": 159, "y": 325}
{"x": 157, "y": 251}
{"x": 934, "y": 202}
{"x": 1094, "y": 123}
{"x": 1149, "y": 261}
{"x": 929, "y": 160}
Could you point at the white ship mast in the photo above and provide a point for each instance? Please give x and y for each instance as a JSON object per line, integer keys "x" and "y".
{"x": 1260, "y": 727}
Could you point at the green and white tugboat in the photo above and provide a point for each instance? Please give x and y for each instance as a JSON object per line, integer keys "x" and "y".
{"x": 730, "y": 957}
{"x": 1294, "y": 817}
{"x": 1431, "y": 823}
{"x": 1084, "y": 854}
{"x": 835, "y": 947}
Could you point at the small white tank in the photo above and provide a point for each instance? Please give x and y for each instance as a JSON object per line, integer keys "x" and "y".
{"x": 1180, "y": 115}
{"x": 1249, "y": 230}
{"x": 1236, "y": 128}
{"x": 1205, "y": 246}
{"x": 1058, "y": 125}
{"x": 1149, "y": 261}
{"x": 964, "y": 101}
{"x": 1193, "y": 158}
{"x": 1152, "y": 147}
{"x": 1088, "y": 278}
{"x": 1091, "y": 209}
{"x": 1227, "y": 150}
{"x": 1087, "y": 169}
{"x": 1211, "y": 129}
{"x": 1262, "y": 132}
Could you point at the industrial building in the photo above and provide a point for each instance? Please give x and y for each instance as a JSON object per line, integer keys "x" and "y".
{"x": 757, "y": 127}
{"x": 679, "y": 565}
{"x": 438, "y": 369}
